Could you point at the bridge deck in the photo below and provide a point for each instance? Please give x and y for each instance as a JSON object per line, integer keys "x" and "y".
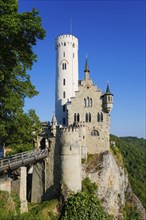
{"x": 22, "y": 159}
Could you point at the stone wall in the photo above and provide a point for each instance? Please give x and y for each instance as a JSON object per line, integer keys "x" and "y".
{"x": 5, "y": 184}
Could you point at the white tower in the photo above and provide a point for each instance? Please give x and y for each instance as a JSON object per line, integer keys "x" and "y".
{"x": 66, "y": 74}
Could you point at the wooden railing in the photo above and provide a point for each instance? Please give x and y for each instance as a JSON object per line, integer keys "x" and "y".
{"x": 22, "y": 159}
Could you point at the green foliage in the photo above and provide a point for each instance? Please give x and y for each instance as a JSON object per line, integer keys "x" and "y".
{"x": 130, "y": 212}
{"x": 22, "y": 137}
{"x": 117, "y": 154}
{"x": 41, "y": 211}
{"x": 83, "y": 206}
{"x": 9, "y": 205}
{"x": 88, "y": 187}
{"x": 10, "y": 209}
{"x": 19, "y": 32}
{"x": 133, "y": 151}
{"x": 83, "y": 160}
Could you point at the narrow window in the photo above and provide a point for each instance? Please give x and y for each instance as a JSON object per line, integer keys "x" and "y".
{"x": 109, "y": 98}
{"x": 64, "y": 82}
{"x": 78, "y": 117}
{"x": 73, "y": 45}
{"x": 64, "y": 95}
{"x": 90, "y": 102}
{"x": 63, "y": 54}
{"x": 89, "y": 117}
{"x": 87, "y": 104}
{"x": 64, "y": 44}
{"x": 63, "y": 108}
{"x": 64, "y": 66}
{"x": 73, "y": 55}
{"x": 86, "y": 117}
{"x": 98, "y": 117}
{"x": 84, "y": 102}
{"x": 63, "y": 121}
{"x": 75, "y": 117}
{"x": 101, "y": 116}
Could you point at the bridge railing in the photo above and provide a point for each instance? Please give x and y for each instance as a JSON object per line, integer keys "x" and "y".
{"x": 20, "y": 159}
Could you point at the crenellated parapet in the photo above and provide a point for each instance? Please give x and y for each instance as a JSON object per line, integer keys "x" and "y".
{"x": 66, "y": 40}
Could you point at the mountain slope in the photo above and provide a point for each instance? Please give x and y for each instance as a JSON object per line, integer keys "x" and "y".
{"x": 133, "y": 150}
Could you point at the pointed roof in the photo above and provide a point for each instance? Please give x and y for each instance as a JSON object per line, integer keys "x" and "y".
{"x": 86, "y": 65}
{"x": 108, "y": 92}
{"x": 54, "y": 121}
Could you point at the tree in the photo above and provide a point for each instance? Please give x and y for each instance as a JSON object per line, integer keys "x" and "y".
{"x": 83, "y": 206}
{"x": 18, "y": 34}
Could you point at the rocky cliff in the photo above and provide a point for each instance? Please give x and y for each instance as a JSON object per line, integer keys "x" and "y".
{"x": 111, "y": 178}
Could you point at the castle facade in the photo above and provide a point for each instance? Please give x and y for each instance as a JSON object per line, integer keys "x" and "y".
{"x": 81, "y": 123}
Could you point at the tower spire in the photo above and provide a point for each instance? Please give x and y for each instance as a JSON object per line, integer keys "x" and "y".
{"x": 86, "y": 71}
{"x": 108, "y": 89}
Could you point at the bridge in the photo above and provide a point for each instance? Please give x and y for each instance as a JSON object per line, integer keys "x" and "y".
{"x": 22, "y": 159}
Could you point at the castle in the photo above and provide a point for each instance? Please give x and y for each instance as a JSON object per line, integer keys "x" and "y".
{"x": 81, "y": 123}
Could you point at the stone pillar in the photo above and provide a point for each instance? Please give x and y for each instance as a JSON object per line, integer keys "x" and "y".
{"x": 23, "y": 189}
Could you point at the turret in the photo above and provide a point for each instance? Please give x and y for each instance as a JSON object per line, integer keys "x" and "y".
{"x": 70, "y": 159}
{"x": 53, "y": 126}
{"x": 107, "y": 100}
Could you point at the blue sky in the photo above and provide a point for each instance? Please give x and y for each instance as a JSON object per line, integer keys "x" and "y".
{"x": 112, "y": 33}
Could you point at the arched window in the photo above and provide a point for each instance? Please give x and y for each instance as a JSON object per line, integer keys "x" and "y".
{"x": 94, "y": 133}
{"x": 86, "y": 117}
{"x": 78, "y": 117}
{"x": 89, "y": 117}
{"x": 98, "y": 117}
{"x": 101, "y": 116}
{"x": 90, "y": 102}
{"x": 64, "y": 44}
{"x": 64, "y": 95}
{"x": 75, "y": 117}
{"x": 84, "y": 102}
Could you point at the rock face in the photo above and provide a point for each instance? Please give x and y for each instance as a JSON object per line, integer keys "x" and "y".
{"x": 112, "y": 181}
